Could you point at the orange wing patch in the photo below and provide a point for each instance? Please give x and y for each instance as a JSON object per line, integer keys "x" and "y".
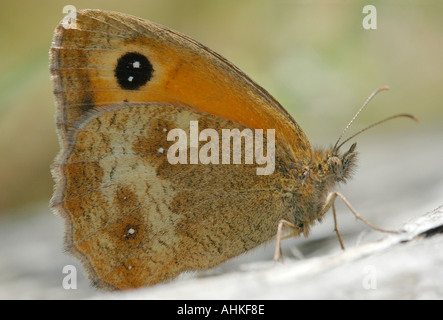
{"x": 185, "y": 73}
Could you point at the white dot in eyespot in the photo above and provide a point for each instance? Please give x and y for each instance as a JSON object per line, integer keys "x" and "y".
{"x": 130, "y": 78}
{"x": 131, "y": 231}
{"x": 161, "y": 150}
{"x": 129, "y": 268}
{"x": 136, "y": 64}
{"x": 164, "y": 129}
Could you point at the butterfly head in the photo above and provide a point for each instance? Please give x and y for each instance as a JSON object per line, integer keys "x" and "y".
{"x": 316, "y": 180}
{"x": 342, "y": 166}
{"x": 327, "y": 168}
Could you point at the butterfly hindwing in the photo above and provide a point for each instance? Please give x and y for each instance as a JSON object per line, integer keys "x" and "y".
{"x": 137, "y": 220}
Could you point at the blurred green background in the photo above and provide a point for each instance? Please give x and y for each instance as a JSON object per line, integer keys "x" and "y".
{"x": 313, "y": 56}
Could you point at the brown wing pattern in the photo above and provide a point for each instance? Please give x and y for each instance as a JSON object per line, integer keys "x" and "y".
{"x": 136, "y": 220}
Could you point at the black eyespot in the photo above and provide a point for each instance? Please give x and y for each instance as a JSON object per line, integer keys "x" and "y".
{"x": 133, "y": 71}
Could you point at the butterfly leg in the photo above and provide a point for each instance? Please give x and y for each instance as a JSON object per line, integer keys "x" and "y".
{"x": 337, "y": 231}
{"x": 278, "y": 254}
{"x": 330, "y": 201}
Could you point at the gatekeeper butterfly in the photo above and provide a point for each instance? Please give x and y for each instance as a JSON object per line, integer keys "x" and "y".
{"x": 134, "y": 219}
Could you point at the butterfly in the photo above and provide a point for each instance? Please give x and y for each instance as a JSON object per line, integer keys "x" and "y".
{"x": 134, "y": 219}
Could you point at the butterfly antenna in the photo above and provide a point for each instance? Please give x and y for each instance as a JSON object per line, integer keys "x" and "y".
{"x": 404, "y": 115}
{"x": 335, "y": 149}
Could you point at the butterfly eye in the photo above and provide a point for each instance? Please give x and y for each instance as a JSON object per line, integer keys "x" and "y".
{"x": 133, "y": 71}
